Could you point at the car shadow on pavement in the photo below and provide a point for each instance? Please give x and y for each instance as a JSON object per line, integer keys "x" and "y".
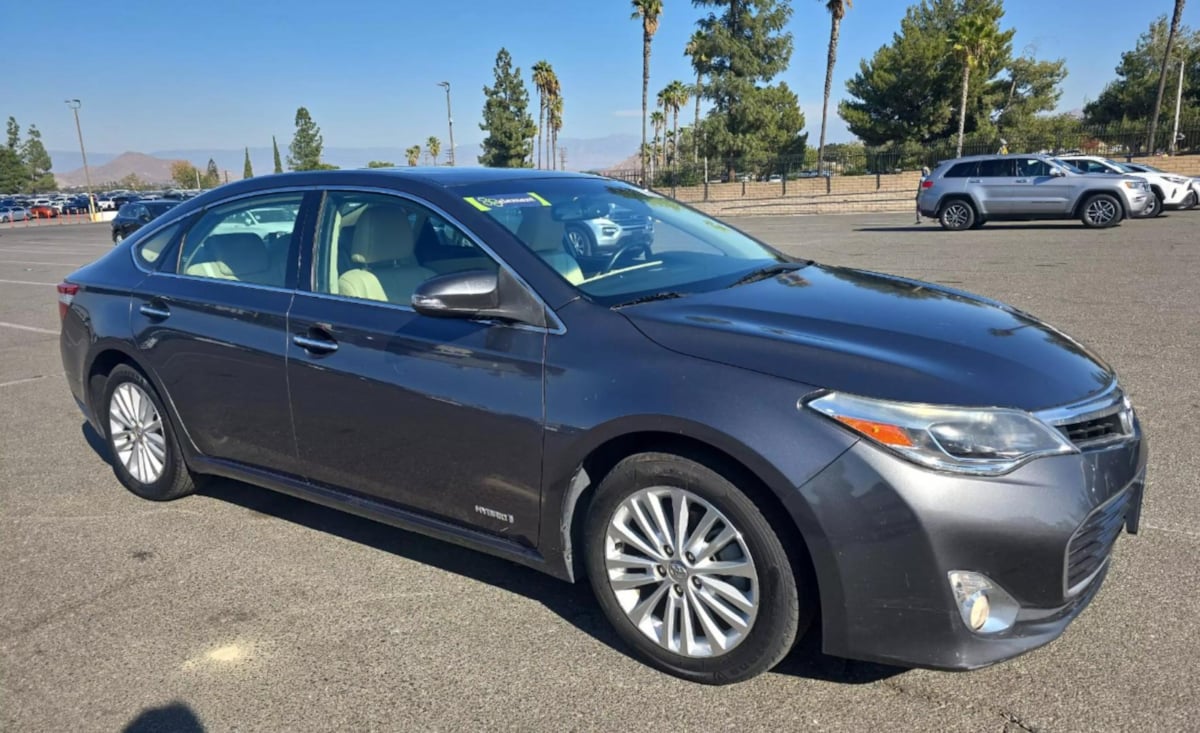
{"x": 573, "y": 602}
{"x": 175, "y": 717}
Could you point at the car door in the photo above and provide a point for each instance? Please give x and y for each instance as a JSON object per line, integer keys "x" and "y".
{"x": 211, "y": 323}
{"x": 993, "y": 185}
{"x": 1036, "y": 188}
{"x": 434, "y": 415}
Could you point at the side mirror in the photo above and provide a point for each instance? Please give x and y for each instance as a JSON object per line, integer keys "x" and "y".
{"x": 478, "y": 294}
{"x": 1057, "y": 173}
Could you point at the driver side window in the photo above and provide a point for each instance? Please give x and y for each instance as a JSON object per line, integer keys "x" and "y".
{"x": 378, "y": 247}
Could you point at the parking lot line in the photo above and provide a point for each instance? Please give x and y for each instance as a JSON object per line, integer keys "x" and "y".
{"x": 31, "y": 262}
{"x": 26, "y": 380}
{"x": 19, "y": 327}
{"x": 28, "y": 282}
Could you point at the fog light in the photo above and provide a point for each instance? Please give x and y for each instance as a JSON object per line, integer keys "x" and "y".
{"x": 985, "y": 607}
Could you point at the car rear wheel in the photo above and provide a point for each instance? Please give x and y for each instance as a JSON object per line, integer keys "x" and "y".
{"x": 142, "y": 444}
{"x": 689, "y": 571}
{"x": 118, "y": 237}
{"x": 957, "y": 215}
{"x": 1190, "y": 202}
{"x": 1101, "y": 210}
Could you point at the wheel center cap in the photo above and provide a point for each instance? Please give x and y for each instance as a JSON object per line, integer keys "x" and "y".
{"x": 677, "y": 571}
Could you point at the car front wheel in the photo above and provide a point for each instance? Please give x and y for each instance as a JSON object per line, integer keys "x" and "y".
{"x": 689, "y": 571}
{"x": 957, "y": 215}
{"x": 118, "y": 237}
{"x": 144, "y": 452}
{"x": 1100, "y": 211}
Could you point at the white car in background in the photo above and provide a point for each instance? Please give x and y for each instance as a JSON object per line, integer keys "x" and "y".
{"x": 1170, "y": 191}
{"x": 1192, "y": 200}
{"x": 13, "y": 213}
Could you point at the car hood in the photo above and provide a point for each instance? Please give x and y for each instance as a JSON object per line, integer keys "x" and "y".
{"x": 879, "y": 336}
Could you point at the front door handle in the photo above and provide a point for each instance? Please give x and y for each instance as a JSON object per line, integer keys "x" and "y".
{"x": 974, "y": 180}
{"x": 157, "y": 312}
{"x": 1021, "y": 180}
{"x": 315, "y": 345}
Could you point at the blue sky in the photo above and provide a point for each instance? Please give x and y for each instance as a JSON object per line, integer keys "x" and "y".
{"x": 157, "y": 75}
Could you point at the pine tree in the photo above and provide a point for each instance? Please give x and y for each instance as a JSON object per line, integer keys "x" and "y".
{"x": 506, "y": 119}
{"x": 304, "y": 154}
{"x": 211, "y": 177}
{"x": 278, "y": 163}
{"x": 14, "y": 134}
{"x": 37, "y": 162}
{"x": 247, "y": 171}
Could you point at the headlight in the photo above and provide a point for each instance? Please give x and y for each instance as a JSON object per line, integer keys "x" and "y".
{"x": 984, "y": 441}
{"x": 1177, "y": 180}
{"x": 1135, "y": 185}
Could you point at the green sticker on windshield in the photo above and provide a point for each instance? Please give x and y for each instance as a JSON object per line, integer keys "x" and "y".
{"x": 506, "y": 201}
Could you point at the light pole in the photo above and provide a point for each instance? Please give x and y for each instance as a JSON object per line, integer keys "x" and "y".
{"x": 75, "y": 104}
{"x": 449, "y": 118}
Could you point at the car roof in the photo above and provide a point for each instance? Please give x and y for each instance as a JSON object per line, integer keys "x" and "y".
{"x": 972, "y": 158}
{"x": 443, "y": 176}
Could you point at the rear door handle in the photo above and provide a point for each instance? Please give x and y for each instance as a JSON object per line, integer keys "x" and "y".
{"x": 1021, "y": 180}
{"x": 315, "y": 345}
{"x": 158, "y": 312}
{"x": 974, "y": 180}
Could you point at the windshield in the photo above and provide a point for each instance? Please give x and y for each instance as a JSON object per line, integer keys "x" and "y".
{"x": 1150, "y": 168}
{"x": 617, "y": 243}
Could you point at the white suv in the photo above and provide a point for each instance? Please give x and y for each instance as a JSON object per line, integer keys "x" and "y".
{"x": 1170, "y": 191}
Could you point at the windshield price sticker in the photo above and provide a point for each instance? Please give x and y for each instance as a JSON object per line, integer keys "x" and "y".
{"x": 506, "y": 201}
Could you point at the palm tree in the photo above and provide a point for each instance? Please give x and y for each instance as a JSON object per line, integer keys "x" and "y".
{"x": 974, "y": 41}
{"x": 1162, "y": 76}
{"x": 648, "y": 11}
{"x": 434, "y": 146}
{"x": 413, "y": 155}
{"x": 554, "y": 122}
{"x": 699, "y": 60}
{"x": 553, "y": 92}
{"x": 541, "y": 82}
{"x": 659, "y": 120}
{"x": 674, "y": 97}
{"x": 837, "y": 11}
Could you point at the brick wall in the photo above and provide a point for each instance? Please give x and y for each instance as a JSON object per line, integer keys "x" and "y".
{"x": 895, "y": 192}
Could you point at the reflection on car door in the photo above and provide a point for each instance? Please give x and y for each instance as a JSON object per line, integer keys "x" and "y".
{"x": 994, "y": 181}
{"x": 441, "y": 416}
{"x": 1036, "y": 191}
{"x": 212, "y": 325}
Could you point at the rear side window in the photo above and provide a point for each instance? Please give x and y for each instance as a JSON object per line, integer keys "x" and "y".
{"x": 150, "y": 249}
{"x": 229, "y": 242}
{"x": 961, "y": 170}
{"x": 1002, "y": 168}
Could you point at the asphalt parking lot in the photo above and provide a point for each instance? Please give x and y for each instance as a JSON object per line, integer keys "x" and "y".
{"x": 239, "y": 609}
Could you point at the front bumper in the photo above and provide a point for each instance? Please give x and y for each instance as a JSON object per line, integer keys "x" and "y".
{"x": 890, "y": 532}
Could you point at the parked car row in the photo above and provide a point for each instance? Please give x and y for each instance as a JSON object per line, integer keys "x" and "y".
{"x": 966, "y": 193}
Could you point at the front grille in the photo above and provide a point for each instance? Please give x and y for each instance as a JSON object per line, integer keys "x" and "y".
{"x": 1094, "y": 430}
{"x": 1093, "y": 541}
{"x": 629, "y": 220}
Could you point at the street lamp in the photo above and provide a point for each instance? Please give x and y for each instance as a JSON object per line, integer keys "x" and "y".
{"x": 75, "y": 104}
{"x": 449, "y": 118}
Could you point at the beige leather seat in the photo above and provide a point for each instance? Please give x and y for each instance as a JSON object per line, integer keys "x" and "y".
{"x": 239, "y": 256}
{"x": 385, "y": 267}
{"x": 544, "y": 236}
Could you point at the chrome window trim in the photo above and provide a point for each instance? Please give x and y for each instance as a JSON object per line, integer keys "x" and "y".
{"x": 180, "y": 218}
{"x": 557, "y": 327}
{"x": 222, "y": 281}
{"x": 410, "y": 309}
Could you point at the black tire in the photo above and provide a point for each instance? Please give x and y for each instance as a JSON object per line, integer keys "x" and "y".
{"x": 979, "y": 223}
{"x": 1154, "y": 207}
{"x": 1090, "y": 214}
{"x": 174, "y": 480}
{"x": 785, "y": 610}
{"x": 580, "y": 241}
{"x": 957, "y": 215}
{"x": 1190, "y": 202}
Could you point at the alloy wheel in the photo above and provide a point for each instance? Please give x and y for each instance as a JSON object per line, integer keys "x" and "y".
{"x": 1101, "y": 211}
{"x": 681, "y": 571}
{"x": 136, "y": 431}
{"x": 956, "y": 216}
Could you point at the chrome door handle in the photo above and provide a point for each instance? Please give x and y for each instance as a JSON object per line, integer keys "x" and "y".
{"x": 151, "y": 311}
{"x": 974, "y": 180}
{"x": 1021, "y": 180}
{"x": 315, "y": 346}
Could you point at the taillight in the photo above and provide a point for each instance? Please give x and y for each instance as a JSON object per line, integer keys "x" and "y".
{"x": 926, "y": 183}
{"x": 66, "y": 294}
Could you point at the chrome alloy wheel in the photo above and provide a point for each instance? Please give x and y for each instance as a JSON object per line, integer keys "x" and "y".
{"x": 681, "y": 571}
{"x": 137, "y": 434}
{"x": 1101, "y": 211}
{"x": 957, "y": 215}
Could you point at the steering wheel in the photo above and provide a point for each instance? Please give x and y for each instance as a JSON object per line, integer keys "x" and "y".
{"x": 631, "y": 247}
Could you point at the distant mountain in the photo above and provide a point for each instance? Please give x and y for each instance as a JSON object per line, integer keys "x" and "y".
{"x": 582, "y": 154}
{"x": 148, "y": 168}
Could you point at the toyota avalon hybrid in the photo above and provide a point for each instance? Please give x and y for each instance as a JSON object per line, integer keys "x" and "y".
{"x": 728, "y": 443}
